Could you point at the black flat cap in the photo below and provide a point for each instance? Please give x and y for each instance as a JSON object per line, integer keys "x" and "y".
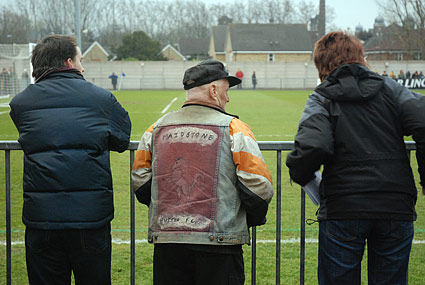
{"x": 207, "y": 71}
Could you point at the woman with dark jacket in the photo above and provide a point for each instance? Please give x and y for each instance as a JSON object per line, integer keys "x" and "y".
{"x": 353, "y": 124}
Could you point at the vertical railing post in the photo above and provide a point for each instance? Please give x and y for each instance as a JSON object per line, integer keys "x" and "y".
{"x": 278, "y": 213}
{"x": 8, "y": 223}
{"x": 132, "y": 227}
{"x": 302, "y": 239}
{"x": 254, "y": 257}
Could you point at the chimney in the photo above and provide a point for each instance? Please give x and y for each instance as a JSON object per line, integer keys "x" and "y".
{"x": 322, "y": 18}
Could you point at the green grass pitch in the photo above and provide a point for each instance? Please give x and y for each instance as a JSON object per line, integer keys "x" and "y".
{"x": 273, "y": 116}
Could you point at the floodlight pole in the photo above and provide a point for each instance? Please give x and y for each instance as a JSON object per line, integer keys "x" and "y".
{"x": 77, "y": 22}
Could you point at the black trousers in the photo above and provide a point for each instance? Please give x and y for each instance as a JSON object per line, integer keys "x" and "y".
{"x": 175, "y": 264}
{"x": 51, "y": 255}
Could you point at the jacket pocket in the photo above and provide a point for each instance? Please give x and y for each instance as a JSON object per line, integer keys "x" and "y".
{"x": 401, "y": 229}
{"x": 342, "y": 230}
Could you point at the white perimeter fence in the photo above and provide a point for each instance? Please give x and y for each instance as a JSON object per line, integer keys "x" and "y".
{"x": 270, "y": 75}
{"x": 169, "y": 74}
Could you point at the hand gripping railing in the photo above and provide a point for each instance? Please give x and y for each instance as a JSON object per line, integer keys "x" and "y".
{"x": 277, "y": 146}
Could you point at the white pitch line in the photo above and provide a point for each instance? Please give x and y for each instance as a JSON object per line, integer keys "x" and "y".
{"x": 284, "y": 241}
{"x": 169, "y": 105}
{"x": 4, "y": 112}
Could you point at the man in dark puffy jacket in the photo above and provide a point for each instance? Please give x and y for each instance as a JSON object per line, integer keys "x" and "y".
{"x": 67, "y": 127}
{"x": 354, "y": 124}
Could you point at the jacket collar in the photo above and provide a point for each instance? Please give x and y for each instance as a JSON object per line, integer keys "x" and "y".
{"x": 63, "y": 72}
{"x": 203, "y": 104}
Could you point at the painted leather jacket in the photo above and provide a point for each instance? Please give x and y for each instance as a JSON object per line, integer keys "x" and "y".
{"x": 202, "y": 175}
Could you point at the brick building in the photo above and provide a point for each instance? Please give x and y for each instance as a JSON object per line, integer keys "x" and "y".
{"x": 170, "y": 53}
{"x": 95, "y": 52}
{"x": 393, "y": 42}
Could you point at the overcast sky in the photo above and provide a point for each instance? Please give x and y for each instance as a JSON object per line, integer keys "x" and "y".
{"x": 348, "y": 13}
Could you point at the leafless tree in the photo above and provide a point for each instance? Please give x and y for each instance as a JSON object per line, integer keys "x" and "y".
{"x": 306, "y": 11}
{"x": 163, "y": 20}
{"x": 408, "y": 19}
{"x": 278, "y": 11}
{"x": 237, "y": 11}
{"x": 13, "y": 27}
{"x": 54, "y": 16}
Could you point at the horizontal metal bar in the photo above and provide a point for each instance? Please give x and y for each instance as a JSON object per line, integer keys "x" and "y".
{"x": 133, "y": 145}
{"x": 276, "y": 145}
{"x": 264, "y": 145}
{"x": 10, "y": 145}
{"x": 410, "y": 145}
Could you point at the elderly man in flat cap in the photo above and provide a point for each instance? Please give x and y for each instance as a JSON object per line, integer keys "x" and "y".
{"x": 201, "y": 172}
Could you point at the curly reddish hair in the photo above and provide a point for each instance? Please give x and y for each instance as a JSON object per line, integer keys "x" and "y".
{"x": 335, "y": 49}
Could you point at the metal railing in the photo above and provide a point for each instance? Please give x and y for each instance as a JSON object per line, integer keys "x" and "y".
{"x": 277, "y": 146}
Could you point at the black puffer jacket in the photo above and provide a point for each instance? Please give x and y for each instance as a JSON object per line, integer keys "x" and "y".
{"x": 354, "y": 125}
{"x": 67, "y": 127}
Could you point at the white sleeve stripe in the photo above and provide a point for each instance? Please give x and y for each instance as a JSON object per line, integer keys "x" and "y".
{"x": 145, "y": 142}
{"x": 258, "y": 184}
{"x": 240, "y": 142}
{"x": 140, "y": 176}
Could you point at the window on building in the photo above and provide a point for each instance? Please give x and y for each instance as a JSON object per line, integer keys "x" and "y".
{"x": 399, "y": 56}
{"x": 271, "y": 56}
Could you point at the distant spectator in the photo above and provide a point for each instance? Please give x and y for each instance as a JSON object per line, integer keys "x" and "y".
{"x": 421, "y": 75}
{"x": 114, "y": 80}
{"x": 392, "y": 75}
{"x": 384, "y": 73}
{"x": 2, "y": 82}
{"x": 408, "y": 74}
{"x": 25, "y": 79}
{"x": 13, "y": 81}
{"x": 401, "y": 74}
{"x": 415, "y": 75}
{"x": 254, "y": 80}
{"x": 239, "y": 74}
{"x": 7, "y": 82}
